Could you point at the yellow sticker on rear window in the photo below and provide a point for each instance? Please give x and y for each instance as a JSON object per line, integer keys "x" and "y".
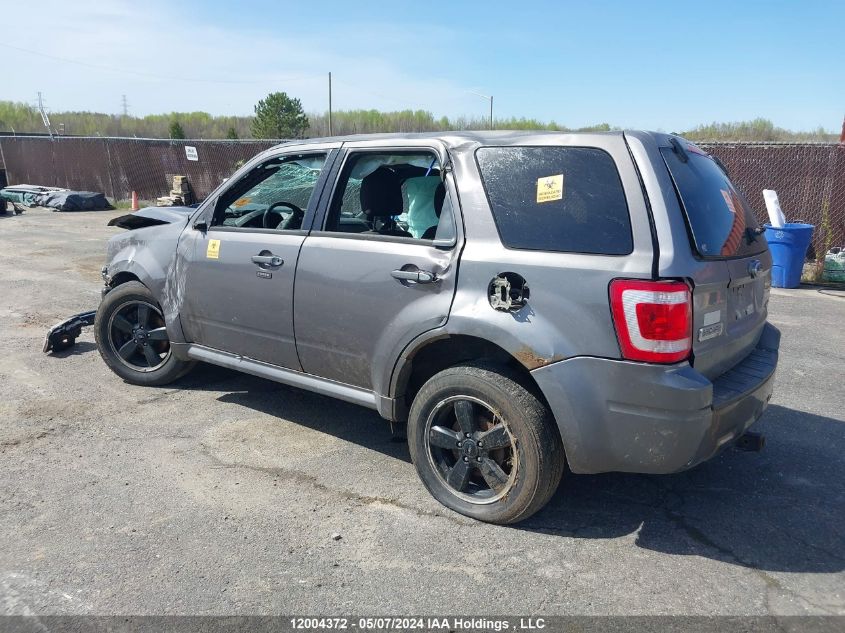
{"x": 550, "y": 188}
{"x": 213, "y": 250}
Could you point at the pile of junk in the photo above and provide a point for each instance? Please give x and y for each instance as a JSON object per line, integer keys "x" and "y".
{"x": 55, "y": 198}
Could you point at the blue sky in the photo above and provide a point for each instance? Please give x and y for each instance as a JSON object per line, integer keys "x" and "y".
{"x": 657, "y": 65}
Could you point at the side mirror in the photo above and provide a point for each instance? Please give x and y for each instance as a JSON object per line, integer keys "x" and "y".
{"x": 201, "y": 225}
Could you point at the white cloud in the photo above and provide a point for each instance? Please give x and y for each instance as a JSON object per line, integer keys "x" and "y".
{"x": 164, "y": 60}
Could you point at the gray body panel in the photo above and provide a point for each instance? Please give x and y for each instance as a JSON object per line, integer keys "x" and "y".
{"x": 567, "y": 314}
{"x": 333, "y": 320}
{"x": 373, "y": 316}
{"x": 227, "y": 306}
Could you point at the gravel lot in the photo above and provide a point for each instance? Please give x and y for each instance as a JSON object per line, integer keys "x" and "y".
{"x": 221, "y": 494}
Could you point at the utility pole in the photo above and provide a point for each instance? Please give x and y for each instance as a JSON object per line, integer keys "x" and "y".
{"x": 44, "y": 118}
{"x": 330, "y": 104}
{"x": 125, "y": 105}
{"x": 489, "y": 98}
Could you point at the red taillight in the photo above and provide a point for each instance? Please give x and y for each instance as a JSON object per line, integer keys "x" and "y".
{"x": 653, "y": 319}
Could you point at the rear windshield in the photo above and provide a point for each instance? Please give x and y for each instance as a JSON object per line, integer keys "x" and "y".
{"x": 567, "y": 199}
{"x": 718, "y": 217}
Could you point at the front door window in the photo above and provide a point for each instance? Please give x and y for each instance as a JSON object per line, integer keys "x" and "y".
{"x": 274, "y": 195}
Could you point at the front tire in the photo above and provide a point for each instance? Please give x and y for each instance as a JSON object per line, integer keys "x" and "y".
{"x": 484, "y": 445}
{"x": 132, "y": 339}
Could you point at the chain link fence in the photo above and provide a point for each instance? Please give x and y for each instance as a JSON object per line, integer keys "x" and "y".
{"x": 119, "y": 166}
{"x": 809, "y": 177}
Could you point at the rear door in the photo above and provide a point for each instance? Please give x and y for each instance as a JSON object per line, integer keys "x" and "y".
{"x": 731, "y": 294}
{"x": 379, "y": 267}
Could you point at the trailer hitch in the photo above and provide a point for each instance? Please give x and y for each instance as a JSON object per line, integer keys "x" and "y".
{"x": 63, "y": 335}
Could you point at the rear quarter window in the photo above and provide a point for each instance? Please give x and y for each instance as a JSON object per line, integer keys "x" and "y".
{"x": 566, "y": 199}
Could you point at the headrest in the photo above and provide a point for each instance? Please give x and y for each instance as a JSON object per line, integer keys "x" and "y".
{"x": 381, "y": 193}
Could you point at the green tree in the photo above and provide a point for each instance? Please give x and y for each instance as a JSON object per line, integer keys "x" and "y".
{"x": 279, "y": 116}
{"x": 176, "y": 130}
{"x": 231, "y": 133}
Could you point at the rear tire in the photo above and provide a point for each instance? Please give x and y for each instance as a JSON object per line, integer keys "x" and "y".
{"x": 132, "y": 339}
{"x": 484, "y": 445}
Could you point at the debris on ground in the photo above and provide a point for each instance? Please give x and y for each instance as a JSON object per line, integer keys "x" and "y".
{"x": 20, "y": 196}
{"x": 834, "y": 265}
{"x": 63, "y": 335}
{"x": 74, "y": 201}
{"x": 180, "y": 194}
{"x": 54, "y": 198}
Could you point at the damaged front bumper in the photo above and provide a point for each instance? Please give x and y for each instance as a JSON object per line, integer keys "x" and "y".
{"x": 63, "y": 335}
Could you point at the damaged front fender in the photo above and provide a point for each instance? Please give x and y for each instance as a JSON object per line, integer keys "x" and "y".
{"x": 152, "y": 216}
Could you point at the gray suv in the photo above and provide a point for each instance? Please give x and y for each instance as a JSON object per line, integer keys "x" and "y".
{"x": 525, "y": 301}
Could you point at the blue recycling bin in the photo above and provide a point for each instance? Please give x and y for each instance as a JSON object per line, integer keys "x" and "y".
{"x": 788, "y": 245}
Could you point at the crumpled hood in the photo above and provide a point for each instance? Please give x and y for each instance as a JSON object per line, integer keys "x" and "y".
{"x": 152, "y": 216}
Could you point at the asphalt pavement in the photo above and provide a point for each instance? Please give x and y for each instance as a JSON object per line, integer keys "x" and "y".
{"x": 228, "y": 494}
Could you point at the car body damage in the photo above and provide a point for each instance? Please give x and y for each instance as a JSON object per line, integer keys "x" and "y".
{"x": 151, "y": 216}
{"x": 63, "y": 335}
{"x": 152, "y": 233}
{"x": 146, "y": 252}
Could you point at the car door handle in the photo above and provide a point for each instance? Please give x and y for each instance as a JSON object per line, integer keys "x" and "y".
{"x": 270, "y": 260}
{"x": 417, "y": 276}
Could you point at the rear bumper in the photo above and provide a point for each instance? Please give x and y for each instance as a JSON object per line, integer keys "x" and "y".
{"x": 637, "y": 417}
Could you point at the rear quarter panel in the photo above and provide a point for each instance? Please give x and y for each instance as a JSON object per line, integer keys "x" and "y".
{"x": 567, "y": 313}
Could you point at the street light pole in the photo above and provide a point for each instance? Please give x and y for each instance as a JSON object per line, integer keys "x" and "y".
{"x": 490, "y": 98}
{"x": 330, "y": 104}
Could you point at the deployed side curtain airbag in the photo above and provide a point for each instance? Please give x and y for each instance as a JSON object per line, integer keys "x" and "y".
{"x": 420, "y": 195}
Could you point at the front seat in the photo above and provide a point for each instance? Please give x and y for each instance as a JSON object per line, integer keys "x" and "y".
{"x": 381, "y": 199}
{"x": 439, "y": 199}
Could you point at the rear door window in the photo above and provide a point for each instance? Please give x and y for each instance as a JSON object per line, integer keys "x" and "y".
{"x": 394, "y": 195}
{"x": 719, "y": 219}
{"x": 567, "y": 199}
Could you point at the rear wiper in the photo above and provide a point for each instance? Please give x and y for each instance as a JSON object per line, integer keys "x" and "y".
{"x": 752, "y": 233}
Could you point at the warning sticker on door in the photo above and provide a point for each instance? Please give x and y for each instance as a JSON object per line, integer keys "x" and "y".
{"x": 213, "y": 250}
{"x": 550, "y": 188}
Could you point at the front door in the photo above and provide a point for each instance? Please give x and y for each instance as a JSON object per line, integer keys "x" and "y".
{"x": 238, "y": 292}
{"x": 380, "y": 269}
